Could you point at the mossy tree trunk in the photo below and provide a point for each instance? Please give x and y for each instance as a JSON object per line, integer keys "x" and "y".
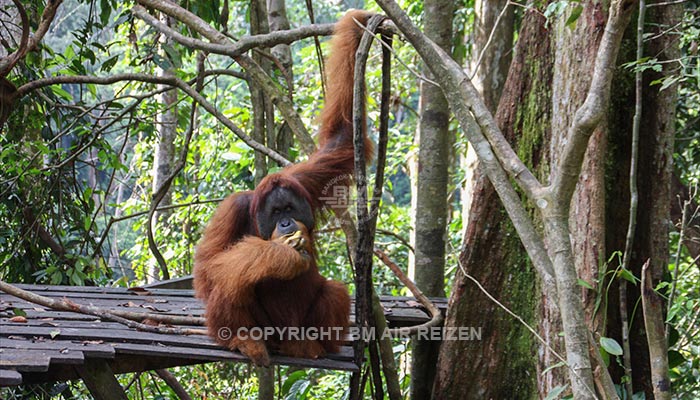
{"x": 501, "y": 365}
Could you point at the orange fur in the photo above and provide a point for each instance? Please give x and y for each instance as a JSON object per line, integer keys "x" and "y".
{"x": 247, "y": 281}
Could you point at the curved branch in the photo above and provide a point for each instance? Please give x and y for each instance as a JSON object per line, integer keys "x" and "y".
{"x": 243, "y": 44}
{"x": 122, "y": 317}
{"x": 171, "y": 81}
{"x": 256, "y": 73}
{"x": 435, "y": 314}
{"x": 11, "y": 60}
{"x": 114, "y": 220}
{"x": 46, "y": 18}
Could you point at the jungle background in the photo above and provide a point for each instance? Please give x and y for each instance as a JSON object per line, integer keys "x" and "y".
{"x": 103, "y": 170}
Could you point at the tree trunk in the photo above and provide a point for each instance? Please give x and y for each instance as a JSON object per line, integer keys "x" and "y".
{"x": 166, "y": 122}
{"x": 258, "y": 25}
{"x": 656, "y": 135}
{"x": 501, "y": 365}
{"x": 282, "y": 138}
{"x": 430, "y": 199}
{"x": 262, "y": 109}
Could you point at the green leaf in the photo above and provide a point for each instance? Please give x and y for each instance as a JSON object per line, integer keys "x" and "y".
{"x": 291, "y": 379}
{"x": 555, "y": 392}
{"x": 75, "y": 279}
{"x": 575, "y": 13}
{"x": 56, "y": 278}
{"x": 108, "y": 64}
{"x": 105, "y": 11}
{"x": 299, "y": 390}
{"x": 627, "y": 275}
{"x": 19, "y": 312}
{"x": 605, "y": 356}
{"x": 162, "y": 62}
{"x": 55, "y": 333}
{"x": 585, "y": 284}
{"x": 675, "y": 359}
{"x": 611, "y": 346}
{"x": 673, "y": 335}
{"x": 173, "y": 55}
{"x": 230, "y": 156}
{"x": 551, "y": 367}
{"x": 61, "y": 93}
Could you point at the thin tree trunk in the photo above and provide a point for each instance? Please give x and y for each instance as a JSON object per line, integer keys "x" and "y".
{"x": 497, "y": 366}
{"x": 166, "y": 123}
{"x": 430, "y": 211}
{"x": 281, "y": 139}
{"x": 258, "y": 25}
{"x": 261, "y": 129}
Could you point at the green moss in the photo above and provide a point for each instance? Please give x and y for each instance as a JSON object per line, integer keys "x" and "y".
{"x": 532, "y": 124}
{"x": 517, "y": 293}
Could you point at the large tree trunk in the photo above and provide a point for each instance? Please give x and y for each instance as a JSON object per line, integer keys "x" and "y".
{"x": 654, "y": 182}
{"x": 501, "y": 365}
{"x": 430, "y": 199}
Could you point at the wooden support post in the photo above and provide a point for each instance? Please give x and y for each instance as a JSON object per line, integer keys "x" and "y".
{"x": 100, "y": 380}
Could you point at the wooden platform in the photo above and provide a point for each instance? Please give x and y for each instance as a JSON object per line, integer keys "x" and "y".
{"x": 54, "y": 345}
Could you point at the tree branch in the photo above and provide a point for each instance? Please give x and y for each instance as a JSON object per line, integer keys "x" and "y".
{"x": 9, "y": 62}
{"x": 114, "y": 220}
{"x": 171, "y": 381}
{"x": 366, "y": 223}
{"x": 634, "y": 201}
{"x": 28, "y": 44}
{"x": 254, "y": 70}
{"x": 122, "y": 317}
{"x": 243, "y": 44}
{"x": 435, "y": 314}
{"x": 602, "y": 378}
{"x": 169, "y": 80}
{"x": 652, "y": 308}
{"x": 162, "y": 191}
{"x": 46, "y": 18}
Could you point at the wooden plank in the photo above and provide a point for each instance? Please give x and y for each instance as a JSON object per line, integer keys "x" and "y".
{"x": 103, "y": 289}
{"x": 29, "y": 361}
{"x": 58, "y": 323}
{"x": 31, "y": 313}
{"x": 91, "y": 291}
{"x": 88, "y": 349}
{"x": 110, "y": 336}
{"x": 129, "y": 345}
{"x": 123, "y": 296}
{"x": 214, "y": 354}
{"x": 66, "y": 290}
{"x": 100, "y": 380}
{"x": 184, "y": 282}
{"x": 138, "y": 304}
{"x": 35, "y": 359}
{"x": 10, "y": 377}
